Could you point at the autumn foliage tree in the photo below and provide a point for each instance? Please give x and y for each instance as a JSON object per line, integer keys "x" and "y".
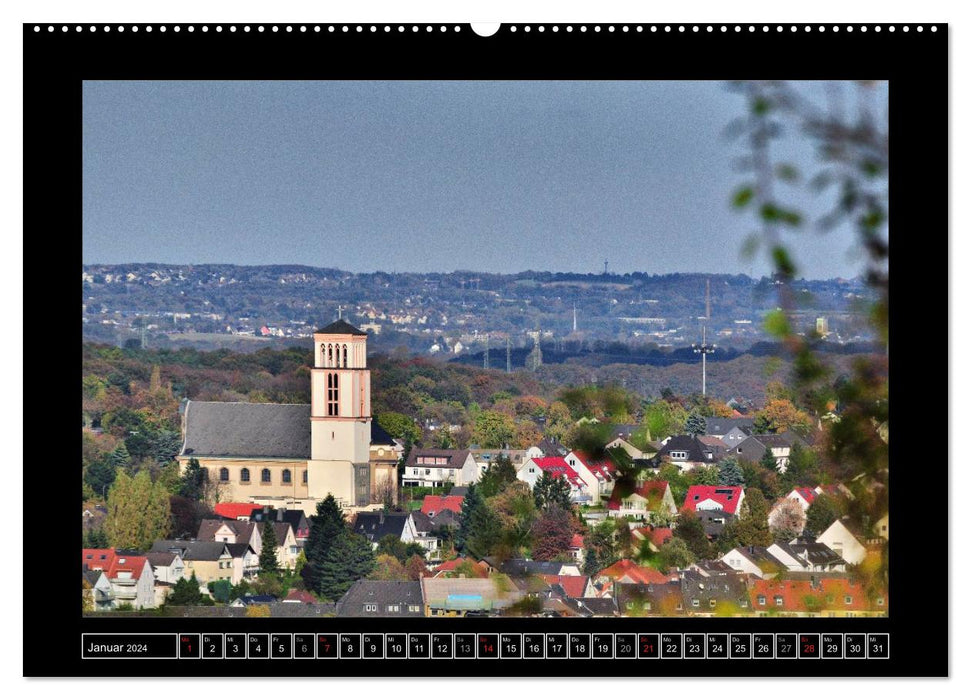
{"x": 787, "y": 519}
{"x": 138, "y": 512}
{"x": 552, "y": 534}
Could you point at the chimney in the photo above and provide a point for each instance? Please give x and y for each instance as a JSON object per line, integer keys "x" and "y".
{"x": 381, "y": 517}
{"x": 279, "y": 516}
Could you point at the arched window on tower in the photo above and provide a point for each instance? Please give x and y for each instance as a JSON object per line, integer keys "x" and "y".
{"x": 244, "y": 475}
{"x": 332, "y": 394}
{"x": 265, "y": 476}
{"x": 330, "y": 355}
{"x": 286, "y": 476}
{"x": 323, "y": 354}
{"x": 224, "y": 474}
{"x": 345, "y": 355}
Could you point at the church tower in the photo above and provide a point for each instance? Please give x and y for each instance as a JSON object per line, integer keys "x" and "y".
{"x": 340, "y": 416}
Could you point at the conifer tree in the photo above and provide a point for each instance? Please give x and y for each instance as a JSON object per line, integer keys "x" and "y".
{"x": 268, "y": 561}
{"x": 730, "y": 473}
{"x": 695, "y": 425}
{"x": 551, "y": 491}
{"x": 349, "y": 559}
{"x": 325, "y": 526}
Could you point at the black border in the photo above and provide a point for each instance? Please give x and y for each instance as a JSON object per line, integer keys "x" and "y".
{"x": 915, "y": 63}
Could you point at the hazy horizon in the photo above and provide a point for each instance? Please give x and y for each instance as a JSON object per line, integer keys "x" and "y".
{"x": 431, "y": 175}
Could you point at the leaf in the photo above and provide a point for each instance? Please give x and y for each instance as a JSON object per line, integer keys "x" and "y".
{"x": 761, "y": 106}
{"x": 787, "y": 172}
{"x": 751, "y": 245}
{"x": 742, "y": 197}
{"x": 783, "y": 263}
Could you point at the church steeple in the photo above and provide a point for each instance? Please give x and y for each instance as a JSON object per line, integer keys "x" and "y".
{"x": 340, "y": 414}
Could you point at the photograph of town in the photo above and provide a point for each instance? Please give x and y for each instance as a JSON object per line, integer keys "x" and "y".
{"x": 485, "y": 349}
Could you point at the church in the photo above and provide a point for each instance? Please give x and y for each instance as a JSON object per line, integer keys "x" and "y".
{"x": 294, "y": 455}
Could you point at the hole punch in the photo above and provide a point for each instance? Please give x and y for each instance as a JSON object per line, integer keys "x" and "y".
{"x": 485, "y": 29}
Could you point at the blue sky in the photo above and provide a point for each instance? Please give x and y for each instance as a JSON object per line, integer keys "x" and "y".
{"x": 429, "y": 176}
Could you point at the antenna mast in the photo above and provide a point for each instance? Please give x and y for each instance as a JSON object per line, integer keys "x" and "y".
{"x": 705, "y": 349}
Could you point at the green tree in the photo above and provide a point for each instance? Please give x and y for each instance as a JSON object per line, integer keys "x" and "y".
{"x": 95, "y": 539}
{"x": 402, "y": 551}
{"x": 388, "y": 568}
{"x": 599, "y": 544}
{"x": 480, "y": 529}
{"x": 100, "y": 475}
{"x": 664, "y": 418}
{"x": 623, "y": 540}
{"x": 221, "y": 591}
{"x": 768, "y": 461}
{"x": 730, "y": 473}
{"x": 823, "y": 512}
{"x": 350, "y": 558}
{"x": 497, "y": 476}
{"x": 325, "y": 527}
{"x": 400, "y": 426}
{"x": 695, "y": 424}
{"x": 753, "y": 524}
{"x": 493, "y": 429}
{"x": 688, "y": 527}
{"x": 120, "y": 458}
{"x": 551, "y": 490}
{"x": 138, "y": 512}
{"x": 194, "y": 481}
{"x": 268, "y": 560}
{"x": 185, "y": 592}
{"x": 675, "y": 554}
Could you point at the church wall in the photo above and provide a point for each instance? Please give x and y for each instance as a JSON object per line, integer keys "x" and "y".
{"x": 235, "y": 490}
{"x": 334, "y": 477}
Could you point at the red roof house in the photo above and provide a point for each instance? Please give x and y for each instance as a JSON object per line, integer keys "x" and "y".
{"x": 433, "y": 505}
{"x": 648, "y": 497}
{"x": 236, "y": 511}
{"x": 726, "y": 498}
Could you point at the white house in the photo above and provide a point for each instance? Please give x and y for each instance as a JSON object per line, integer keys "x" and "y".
{"x": 647, "y": 497}
{"x": 757, "y": 561}
{"x": 433, "y": 467}
{"x": 598, "y": 475}
{"x": 843, "y": 542}
{"x": 534, "y": 467}
{"x": 807, "y": 557}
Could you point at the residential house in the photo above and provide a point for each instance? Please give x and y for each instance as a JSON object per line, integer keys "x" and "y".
{"x": 649, "y": 599}
{"x": 563, "y": 605}
{"x": 822, "y": 597}
{"x": 485, "y": 456}
{"x": 367, "y": 598}
{"x": 735, "y": 436}
{"x": 882, "y": 527}
{"x": 714, "y": 521}
{"x": 427, "y": 531}
{"x": 603, "y": 583}
{"x": 230, "y": 531}
{"x": 845, "y": 540}
{"x": 534, "y": 467}
{"x": 719, "y": 449}
{"x": 813, "y": 557}
{"x": 247, "y": 600}
{"x": 547, "y": 447}
{"x": 521, "y": 568}
{"x": 720, "y": 427}
{"x": 646, "y": 498}
{"x": 236, "y": 511}
{"x": 209, "y": 561}
{"x": 753, "y": 448}
{"x": 429, "y": 467}
{"x": 461, "y": 567}
{"x": 717, "y": 594}
{"x": 577, "y": 549}
{"x": 434, "y": 505}
{"x": 296, "y": 518}
{"x": 97, "y": 589}
{"x": 599, "y": 475}
{"x": 168, "y": 569}
{"x": 710, "y": 567}
{"x": 687, "y": 452}
{"x": 130, "y": 575}
{"x": 460, "y": 597}
{"x": 757, "y": 561}
{"x": 375, "y": 526}
{"x": 653, "y": 535}
{"x": 724, "y": 498}
{"x": 297, "y": 596}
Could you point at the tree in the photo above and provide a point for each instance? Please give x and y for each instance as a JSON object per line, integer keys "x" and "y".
{"x": 350, "y": 558}
{"x": 623, "y": 540}
{"x": 185, "y": 592}
{"x": 186, "y": 516}
{"x": 120, "y": 458}
{"x": 415, "y": 567}
{"x": 497, "y": 476}
{"x": 599, "y": 544}
{"x": 402, "y": 551}
{"x": 730, "y": 473}
{"x": 768, "y": 461}
{"x": 753, "y": 526}
{"x": 823, "y": 512}
{"x": 194, "y": 481}
{"x": 95, "y": 539}
{"x": 221, "y": 590}
{"x": 675, "y": 554}
{"x": 479, "y": 528}
{"x": 325, "y": 527}
{"x": 664, "y": 418}
{"x": 552, "y": 534}
{"x": 268, "y": 561}
{"x": 780, "y": 415}
{"x": 787, "y": 519}
{"x": 551, "y": 490}
{"x": 400, "y": 426}
{"x": 388, "y": 568}
{"x": 138, "y": 512}
{"x": 100, "y": 475}
{"x": 695, "y": 424}
{"x": 493, "y": 429}
{"x": 688, "y": 527}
